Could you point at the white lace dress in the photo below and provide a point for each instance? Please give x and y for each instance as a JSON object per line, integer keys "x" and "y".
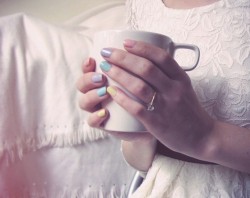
{"x": 221, "y": 81}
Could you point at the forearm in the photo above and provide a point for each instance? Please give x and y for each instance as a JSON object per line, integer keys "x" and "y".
{"x": 229, "y": 146}
{"x": 139, "y": 153}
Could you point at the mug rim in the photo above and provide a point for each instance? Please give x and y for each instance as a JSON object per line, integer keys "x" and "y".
{"x": 134, "y": 31}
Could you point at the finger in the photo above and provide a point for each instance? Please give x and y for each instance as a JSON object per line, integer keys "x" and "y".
{"x": 89, "y": 65}
{"x": 157, "y": 55}
{"x": 139, "y": 66}
{"x": 135, "y": 108}
{"x": 92, "y": 99}
{"x": 97, "y": 118}
{"x": 90, "y": 81}
{"x": 139, "y": 88}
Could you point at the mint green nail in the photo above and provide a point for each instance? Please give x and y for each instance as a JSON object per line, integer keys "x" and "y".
{"x": 105, "y": 66}
{"x": 101, "y": 91}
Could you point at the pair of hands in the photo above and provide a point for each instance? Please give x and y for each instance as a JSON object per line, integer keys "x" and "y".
{"x": 178, "y": 120}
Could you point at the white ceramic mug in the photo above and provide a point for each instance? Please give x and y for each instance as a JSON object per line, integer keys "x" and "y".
{"x": 120, "y": 120}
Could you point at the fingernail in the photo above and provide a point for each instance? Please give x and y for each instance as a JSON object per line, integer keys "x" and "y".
{"x": 105, "y": 66}
{"x": 101, "y": 91}
{"x": 96, "y": 78}
{"x": 101, "y": 113}
{"x": 112, "y": 91}
{"x": 106, "y": 52}
{"x": 129, "y": 43}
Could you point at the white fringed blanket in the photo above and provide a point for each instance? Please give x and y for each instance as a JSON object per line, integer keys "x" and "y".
{"x": 46, "y": 148}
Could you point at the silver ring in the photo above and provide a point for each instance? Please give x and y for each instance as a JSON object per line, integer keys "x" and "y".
{"x": 150, "y": 105}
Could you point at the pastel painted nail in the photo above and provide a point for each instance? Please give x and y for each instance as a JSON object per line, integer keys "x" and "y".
{"x": 129, "y": 43}
{"x": 101, "y": 113}
{"x": 112, "y": 91}
{"x": 106, "y": 52}
{"x": 96, "y": 78}
{"x": 101, "y": 91}
{"x": 105, "y": 66}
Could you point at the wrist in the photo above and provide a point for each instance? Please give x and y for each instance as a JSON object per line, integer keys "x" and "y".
{"x": 139, "y": 153}
{"x": 210, "y": 144}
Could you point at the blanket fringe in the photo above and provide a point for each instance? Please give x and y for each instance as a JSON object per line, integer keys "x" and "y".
{"x": 17, "y": 147}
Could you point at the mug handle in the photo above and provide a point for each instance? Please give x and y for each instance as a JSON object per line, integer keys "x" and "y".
{"x": 189, "y": 47}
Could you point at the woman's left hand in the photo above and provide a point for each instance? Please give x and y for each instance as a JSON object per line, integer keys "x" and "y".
{"x": 178, "y": 120}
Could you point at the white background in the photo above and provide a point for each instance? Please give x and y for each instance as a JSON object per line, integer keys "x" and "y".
{"x": 55, "y": 11}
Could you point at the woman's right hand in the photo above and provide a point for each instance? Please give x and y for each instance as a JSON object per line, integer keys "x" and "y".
{"x": 138, "y": 148}
{"x": 93, "y": 85}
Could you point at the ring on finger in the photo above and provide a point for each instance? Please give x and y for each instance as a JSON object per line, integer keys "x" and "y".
{"x": 150, "y": 105}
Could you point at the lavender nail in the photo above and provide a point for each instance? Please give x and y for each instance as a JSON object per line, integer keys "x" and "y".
{"x": 96, "y": 78}
{"x": 106, "y": 52}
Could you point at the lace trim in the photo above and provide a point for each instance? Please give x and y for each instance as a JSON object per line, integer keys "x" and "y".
{"x": 221, "y": 31}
